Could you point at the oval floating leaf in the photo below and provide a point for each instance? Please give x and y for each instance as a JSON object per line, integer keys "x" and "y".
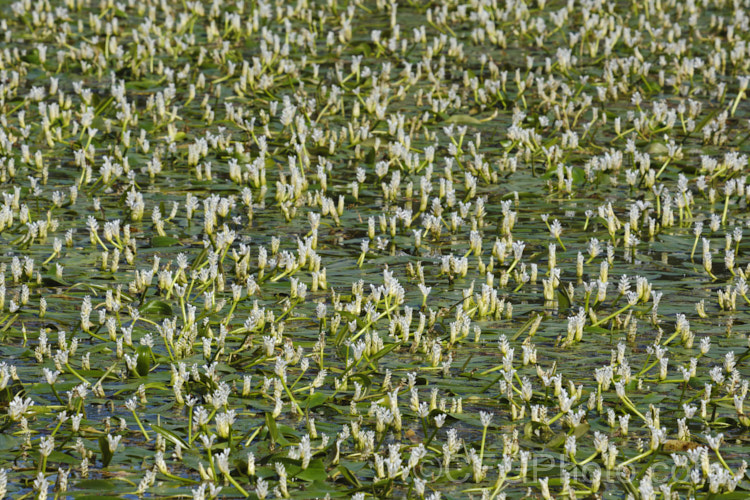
{"x": 157, "y": 307}
{"x": 164, "y": 241}
{"x": 463, "y": 120}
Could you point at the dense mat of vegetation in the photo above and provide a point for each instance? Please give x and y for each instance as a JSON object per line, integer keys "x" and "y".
{"x": 368, "y": 249}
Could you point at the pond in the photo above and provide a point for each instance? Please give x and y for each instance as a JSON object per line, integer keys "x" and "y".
{"x": 374, "y": 249}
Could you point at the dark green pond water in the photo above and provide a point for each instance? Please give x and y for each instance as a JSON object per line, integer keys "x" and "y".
{"x": 368, "y": 249}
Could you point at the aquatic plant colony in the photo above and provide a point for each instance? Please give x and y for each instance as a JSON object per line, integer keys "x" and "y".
{"x": 373, "y": 249}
